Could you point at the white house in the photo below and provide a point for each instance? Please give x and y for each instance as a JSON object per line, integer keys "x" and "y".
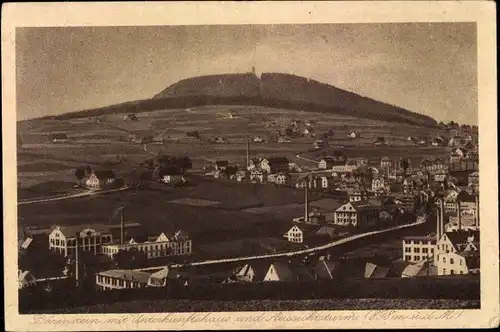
{"x": 451, "y": 250}
{"x": 25, "y": 279}
{"x": 282, "y": 271}
{"x": 294, "y": 235}
{"x": 121, "y": 279}
{"x": 174, "y": 179}
{"x": 459, "y": 263}
{"x": 354, "y": 134}
{"x": 418, "y": 248}
{"x": 99, "y": 179}
{"x": 378, "y": 183}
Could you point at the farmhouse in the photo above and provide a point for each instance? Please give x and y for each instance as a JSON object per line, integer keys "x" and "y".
{"x": 319, "y": 144}
{"x": 354, "y": 134}
{"x": 100, "y": 179}
{"x": 62, "y": 239}
{"x": 294, "y": 235}
{"x": 325, "y": 163}
{"x": 221, "y": 165}
{"x": 257, "y": 176}
{"x": 251, "y": 272}
{"x": 174, "y": 179}
{"x": 121, "y": 279}
{"x": 160, "y": 278}
{"x": 59, "y": 138}
{"x": 274, "y": 165}
{"x": 279, "y": 178}
{"x": 418, "y": 248}
{"x": 163, "y": 245}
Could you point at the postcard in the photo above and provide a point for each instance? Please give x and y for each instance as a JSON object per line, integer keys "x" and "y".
{"x": 250, "y": 165}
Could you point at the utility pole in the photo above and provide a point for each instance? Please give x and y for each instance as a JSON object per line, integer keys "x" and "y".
{"x": 122, "y": 225}
{"x": 77, "y": 258}
{"x": 248, "y": 153}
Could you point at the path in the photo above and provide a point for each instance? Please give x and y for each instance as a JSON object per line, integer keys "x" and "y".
{"x": 293, "y": 253}
{"x": 59, "y": 198}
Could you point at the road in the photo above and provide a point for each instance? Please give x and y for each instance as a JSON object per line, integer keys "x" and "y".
{"x": 78, "y": 195}
{"x": 293, "y": 253}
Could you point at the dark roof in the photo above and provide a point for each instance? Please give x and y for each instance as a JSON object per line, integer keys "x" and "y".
{"x": 464, "y": 196}
{"x": 222, "y": 162}
{"x": 278, "y": 160}
{"x": 104, "y": 174}
{"x": 60, "y": 136}
{"x": 458, "y": 238}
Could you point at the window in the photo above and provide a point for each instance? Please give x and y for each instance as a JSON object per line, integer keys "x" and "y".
{"x": 444, "y": 271}
{"x": 452, "y": 272}
{"x": 444, "y": 259}
{"x": 416, "y": 250}
{"x": 451, "y": 262}
{"x": 408, "y": 258}
{"x": 425, "y": 250}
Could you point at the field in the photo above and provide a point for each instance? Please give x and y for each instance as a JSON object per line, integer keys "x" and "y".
{"x": 105, "y": 144}
{"x": 268, "y": 305}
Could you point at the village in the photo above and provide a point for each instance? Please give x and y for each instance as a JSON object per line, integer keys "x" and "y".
{"x": 357, "y": 196}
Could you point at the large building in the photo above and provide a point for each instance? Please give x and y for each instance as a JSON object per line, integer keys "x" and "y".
{"x": 274, "y": 165}
{"x": 163, "y": 245}
{"x": 63, "y": 240}
{"x": 361, "y": 214}
{"x": 418, "y": 248}
{"x": 458, "y": 253}
{"x": 121, "y": 279}
{"x": 100, "y": 179}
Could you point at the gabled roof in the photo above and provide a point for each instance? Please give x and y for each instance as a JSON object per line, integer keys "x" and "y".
{"x": 26, "y": 243}
{"x": 325, "y": 269}
{"x": 464, "y": 196}
{"x": 259, "y": 269}
{"x": 71, "y": 230}
{"x": 291, "y": 271}
{"x": 460, "y": 238}
{"x": 376, "y": 271}
{"x": 277, "y": 160}
{"x": 59, "y": 136}
{"x": 129, "y": 275}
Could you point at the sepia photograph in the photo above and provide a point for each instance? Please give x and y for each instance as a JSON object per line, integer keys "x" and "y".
{"x": 307, "y": 167}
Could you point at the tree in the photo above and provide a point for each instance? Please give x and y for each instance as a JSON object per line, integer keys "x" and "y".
{"x": 80, "y": 174}
{"x": 88, "y": 170}
{"x": 404, "y": 164}
{"x": 130, "y": 259}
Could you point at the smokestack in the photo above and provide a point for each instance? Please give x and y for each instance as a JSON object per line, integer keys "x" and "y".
{"x": 438, "y": 229}
{"x": 122, "y": 225}
{"x": 441, "y": 219}
{"x": 306, "y": 201}
{"x": 248, "y": 152}
{"x": 77, "y": 257}
{"x": 459, "y": 216}
{"x": 477, "y": 212}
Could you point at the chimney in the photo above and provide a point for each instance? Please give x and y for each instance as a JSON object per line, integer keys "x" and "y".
{"x": 122, "y": 225}
{"x": 441, "y": 219}
{"x": 248, "y": 152}
{"x": 438, "y": 221}
{"x": 77, "y": 257}
{"x": 306, "y": 201}
{"x": 477, "y": 212}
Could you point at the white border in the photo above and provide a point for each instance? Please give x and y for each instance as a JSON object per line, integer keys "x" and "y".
{"x": 159, "y": 13}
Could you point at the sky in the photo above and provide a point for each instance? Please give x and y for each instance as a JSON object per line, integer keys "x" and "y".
{"x": 429, "y": 68}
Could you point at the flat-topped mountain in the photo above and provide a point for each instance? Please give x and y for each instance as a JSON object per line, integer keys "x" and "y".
{"x": 270, "y": 89}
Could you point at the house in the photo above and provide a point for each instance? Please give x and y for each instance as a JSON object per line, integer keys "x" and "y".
{"x": 100, "y": 179}
{"x": 257, "y": 175}
{"x": 164, "y": 245}
{"x": 158, "y": 140}
{"x": 458, "y": 253}
{"x": 220, "y": 140}
{"x": 465, "y": 223}
{"x": 437, "y": 165}
{"x": 419, "y": 269}
{"x": 161, "y": 277}
{"x": 59, "y": 138}
{"x": 418, "y": 248}
{"x": 325, "y": 269}
{"x": 457, "y": 154}
{"x": 319, "y": 144}
{"x": 473, "y": 180}
{"x": 174, "y": 179}
{"x": 354, "y": 134}
{"x": 62, "y": 239}
{"x": 193, "y": 134}
{"x": 251, "y": 272}
{"x": 294, "y": 235}
{"x": 378, "y": 184}
{"x": 275, "y": 165}
{"x": 440, "y": 175}
{"x": 326, "y": 163}
{"x": 360, "y": 214}
{"x": 466, "y": 262}
{"x": 385, "y": 163}
{"x": 25, "y": 279}
{"x": 221, "y": 165}
{"x": 258, "y": 139}
{"x": 287, "y": 272}
{"x": 131, "y": 117}
{"x": 376, "y": 271}
{"x": 282, "y": 178}
{"x": 284, "y": 140}
{"x": 309, "y": 131}
{"x": 380, "y": 141}
{"x": 343, "y": 169}
{"x": 254, "y": 163}
{"x": 121, "y": 279}
{"x": 437, "y": 141}
{"x": 357, "y": 195}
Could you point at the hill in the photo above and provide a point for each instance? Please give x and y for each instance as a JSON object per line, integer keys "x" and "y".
{"x": 271, "y": 89}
